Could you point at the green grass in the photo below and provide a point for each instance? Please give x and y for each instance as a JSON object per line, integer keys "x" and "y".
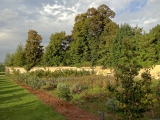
{"x": 17, "y": 103}
{"x": 2, "y": 73}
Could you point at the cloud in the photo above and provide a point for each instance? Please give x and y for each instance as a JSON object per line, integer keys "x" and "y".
{"x": 147, "y": 16}
{"x": 8, "y": 16}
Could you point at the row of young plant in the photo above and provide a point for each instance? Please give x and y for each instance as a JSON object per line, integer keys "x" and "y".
{"x": 36, "y": 79}
{"x": 61, "y": 73}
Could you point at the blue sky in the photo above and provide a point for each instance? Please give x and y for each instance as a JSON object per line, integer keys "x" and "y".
{"x": 50, "y": 16}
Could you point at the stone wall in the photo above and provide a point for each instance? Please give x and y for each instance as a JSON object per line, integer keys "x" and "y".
{"x": 98, "y": 70}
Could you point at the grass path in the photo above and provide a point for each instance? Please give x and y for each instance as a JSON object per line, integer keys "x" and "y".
{"x": 17, "y": 103}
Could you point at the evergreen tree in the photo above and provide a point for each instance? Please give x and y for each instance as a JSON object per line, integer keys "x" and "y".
{"x": 33, "y": 49}
{"x": 54, "y": 52}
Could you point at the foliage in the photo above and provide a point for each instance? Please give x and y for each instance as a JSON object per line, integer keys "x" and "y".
{"x": 155, "y": 41}
{"x": 112, "y": 104}
{"x": 134, "y": 96}
{"x": 60, "y": 73}
{"x": 34, "y": 82}
{"x": 54, "y": 52}
{"x": 27, "y": 78}
{"x": 8, "y": 60}
{"x": 33, "y": 51}
{"x": 88, "y": 33}
{"x": 2, "y": 67}
{"x": 63, "y": 92}
{"x": 94, "y": 94}
{"x": 77, "y": 88}
{"x": 18, "y": 60}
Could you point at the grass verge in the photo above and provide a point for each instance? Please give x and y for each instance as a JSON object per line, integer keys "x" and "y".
{"x": 17, "y": 103}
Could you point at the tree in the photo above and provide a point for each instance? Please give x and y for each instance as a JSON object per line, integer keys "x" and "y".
{"x": 155, "y": 41}
{"x": 2, "y": 67}
{"x": 54, "y": 52}
{"x": 19, "y": 56}
{"x": 9, "y": 58}
{"x": 33, "y": 49}
{"x": 134, "y": 96}
{"x": 79, "y": 49}
{"x": 146, "y": 49}
{"x": 106, "y": 43}
{"x": 86, "y": 33}
{"x": 98, "y": 19}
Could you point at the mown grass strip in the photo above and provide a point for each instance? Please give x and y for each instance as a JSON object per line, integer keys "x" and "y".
{"x": 2, "y": 73}
{"x": 17, "y": 103}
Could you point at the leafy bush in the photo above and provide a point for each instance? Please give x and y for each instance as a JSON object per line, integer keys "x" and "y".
{"x": 76, "y": 89}
{"x": 63, "y": 92}
{"x": 94, "y": 94}
{"x": 34, "y": 82}
{"x": 112, "y": 105}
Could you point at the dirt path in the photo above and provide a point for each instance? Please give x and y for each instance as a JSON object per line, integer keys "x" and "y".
{"x": 70, "y": 111}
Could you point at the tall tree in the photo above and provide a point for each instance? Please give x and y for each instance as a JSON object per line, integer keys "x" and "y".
{"x": 86, "y": 34}
{"x": 54, "y": 52}
{"x": 98, "y": 19}
{"x": 33, "y": 49}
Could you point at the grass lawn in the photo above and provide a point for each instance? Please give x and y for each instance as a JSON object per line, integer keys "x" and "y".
{"x": 2, "y": 73}
{"x": 17, "y": 103}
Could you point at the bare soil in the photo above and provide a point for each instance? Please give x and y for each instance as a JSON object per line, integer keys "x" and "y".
{"x": 70, "y": 111}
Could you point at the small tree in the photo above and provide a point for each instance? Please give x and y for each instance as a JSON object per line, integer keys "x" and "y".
{"x": 19, "y": 56}
{"x": 33, "y": 50}
{"x": 134, "y": 96}
{"x": 9, "y": 59}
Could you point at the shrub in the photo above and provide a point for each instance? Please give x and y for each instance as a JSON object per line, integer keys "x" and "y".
{"x": 112, "y": 105}
{"x": 76, "y": 89}
{"x": 94, "y": 94}
{"x": 63, "y": 91}
{"x": 34, "y": 82}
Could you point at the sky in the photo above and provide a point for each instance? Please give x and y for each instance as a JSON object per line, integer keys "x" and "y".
{"x": 17, "y": 17}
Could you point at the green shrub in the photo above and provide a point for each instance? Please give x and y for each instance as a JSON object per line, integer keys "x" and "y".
{"x": 63, "y": 92}
{"x": 34, "y": 82}
{"x": 96, "y": 93}
{"x": 76, "y": 89}
{"x": 51, "y": 83}
{"x": 112, "y": 105}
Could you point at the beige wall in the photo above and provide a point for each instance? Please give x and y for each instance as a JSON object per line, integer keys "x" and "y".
{"x": 98, "y": 70}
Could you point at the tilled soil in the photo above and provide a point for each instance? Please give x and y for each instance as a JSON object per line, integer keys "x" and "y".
{"x": 70, "y": 111}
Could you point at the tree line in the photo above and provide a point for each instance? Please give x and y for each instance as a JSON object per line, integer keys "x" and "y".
{"x": 94, "y": 41}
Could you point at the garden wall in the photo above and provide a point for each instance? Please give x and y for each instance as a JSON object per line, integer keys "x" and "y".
{"x": 98, "y": 70}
